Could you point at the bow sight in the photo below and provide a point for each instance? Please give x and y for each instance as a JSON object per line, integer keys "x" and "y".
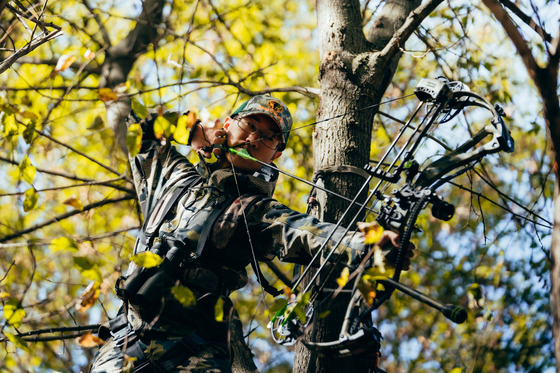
{"x": 442, "y": 101}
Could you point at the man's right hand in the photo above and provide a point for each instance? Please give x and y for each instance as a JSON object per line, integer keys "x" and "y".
{"x": 205, "y": 135}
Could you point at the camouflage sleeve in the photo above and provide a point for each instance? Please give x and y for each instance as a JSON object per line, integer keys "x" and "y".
{"x": 157, "y": 166}
{"x": 296, "y": 237}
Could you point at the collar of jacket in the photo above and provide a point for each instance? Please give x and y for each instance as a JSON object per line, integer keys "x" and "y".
{"x": 259, "y": 182}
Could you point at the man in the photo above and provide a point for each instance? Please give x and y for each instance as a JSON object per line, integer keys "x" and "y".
{"x": 209, "y": 222}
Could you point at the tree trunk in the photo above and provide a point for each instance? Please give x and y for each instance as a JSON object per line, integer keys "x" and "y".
{"x": 353, "y": 75}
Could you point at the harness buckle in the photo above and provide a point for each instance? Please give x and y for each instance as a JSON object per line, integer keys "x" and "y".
{"x": 124, "y": 335}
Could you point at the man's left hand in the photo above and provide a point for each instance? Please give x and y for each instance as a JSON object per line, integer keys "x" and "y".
{"x": 390, "y": 242}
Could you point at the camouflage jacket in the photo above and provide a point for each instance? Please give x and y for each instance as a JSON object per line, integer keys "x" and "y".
{"x": 248, "y": 226}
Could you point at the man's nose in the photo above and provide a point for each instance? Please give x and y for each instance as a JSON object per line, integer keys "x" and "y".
{"x": 254, "y": 138}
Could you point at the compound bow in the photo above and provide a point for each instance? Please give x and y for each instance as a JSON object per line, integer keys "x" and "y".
{"x": 443, "y": 100}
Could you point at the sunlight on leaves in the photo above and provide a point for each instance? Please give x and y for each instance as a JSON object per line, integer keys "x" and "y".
{"x": 63, "y": 244}
{"x": 342, "y": 280}
{"x": 27, "y": 170}
{"x": 147, "y": 259}
{"x": 134, "y": 139}
{"x": 184, "y": 295}
{"x": 18, "y": 341}
{"x": 185, "y": 124}
{"x": 162, "y": 127}
{"x": 13, "y": 313}
{"x": 372, "y": 232}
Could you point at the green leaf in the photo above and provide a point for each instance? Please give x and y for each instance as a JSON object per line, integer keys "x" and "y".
{"x": 83, "y": 262}
{"x": 97, "y": 124}
{"x": 184, "y": 295}
{"x": 63, "y": 244}
{"x": 300, "y": 312}
{"x": 219, "y": 310}
{"x": 13, "y": 313}
{"x": 278, "y": 305}
{"x": 147, "y": 259}
{"x": 18, "y": 341}
{"x": 29, "y": 132}
{"x": 27, "y": 170}
{"x": 31, "y": 198}
{"x": 134, "y": 139}
{"x": 138, "y": 108}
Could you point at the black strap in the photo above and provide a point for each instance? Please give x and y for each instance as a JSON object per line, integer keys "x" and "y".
{"x": 209, "y": 224}
{"x": 162, "y": 208}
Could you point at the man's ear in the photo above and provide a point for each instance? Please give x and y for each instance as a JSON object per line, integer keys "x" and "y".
{"x": 276, "y": 155}
{"x": 227, "y": 122}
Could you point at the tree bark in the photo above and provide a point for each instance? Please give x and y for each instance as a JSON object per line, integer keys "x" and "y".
{"x": 354, "y": 74}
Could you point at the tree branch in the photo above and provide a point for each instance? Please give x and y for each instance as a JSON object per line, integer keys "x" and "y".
{"x": 34, "y": 44}
{"x": 58, "y": 218}
{"x": 410, "y": 25}
{"x": 515, "y": 36}
{"x": 53, "y": 61}
{"x": 102, "y": 28}
{"x": 527, "y": 19}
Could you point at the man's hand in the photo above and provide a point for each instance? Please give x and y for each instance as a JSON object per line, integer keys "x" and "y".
{"x": 205, "y": 135}
{"x": 390, "y": 242}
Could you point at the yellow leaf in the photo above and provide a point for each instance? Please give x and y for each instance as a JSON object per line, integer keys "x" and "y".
{"x": 456, "y": 370}
{"x": 63, "y": 244}
{"x": 184, "y": 295}
{"x": 134, "y": 139}
{"x": 88, "y": 340}
{"x": 107, "y": 94}
{"x": 343, "y": 279}
{"x": 30, "y": 200}
{"x": 18, "y": 341}
{"x": 372, "y": 232}
{"x": 28, "y": 115}
{"x": 3, "y": 295}
{"x": 27, "y": 170}
{"x": 184, "y": 126}
{"x": 147, "y": 259}
{"x": 74, "y": 202}
{"x": 219, "y": 310}
{"x": 88, "y": 297}
{"x": 13, "y": 313}
{"x": 162, "y": 127}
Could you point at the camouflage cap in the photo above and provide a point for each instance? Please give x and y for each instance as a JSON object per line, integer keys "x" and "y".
{"x": 270, "y": 106}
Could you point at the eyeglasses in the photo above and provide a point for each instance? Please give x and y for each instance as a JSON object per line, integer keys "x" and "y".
{"x": 268, "y": 139}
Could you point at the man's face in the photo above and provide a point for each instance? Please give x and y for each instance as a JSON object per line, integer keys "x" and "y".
{"x": 258, "y": 134}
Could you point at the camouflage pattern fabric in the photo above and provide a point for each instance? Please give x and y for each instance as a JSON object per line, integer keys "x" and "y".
{"x": 275, "y": 229}
{"x": 213, "y": 358}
